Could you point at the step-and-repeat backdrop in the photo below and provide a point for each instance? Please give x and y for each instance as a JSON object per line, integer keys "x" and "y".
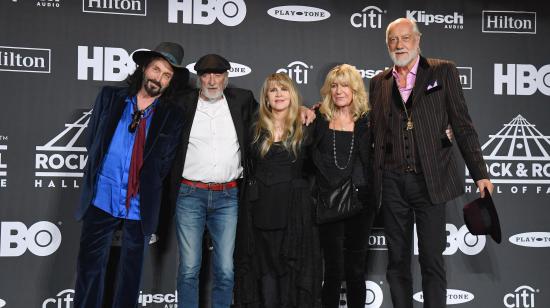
{"x": 56, "y": 54}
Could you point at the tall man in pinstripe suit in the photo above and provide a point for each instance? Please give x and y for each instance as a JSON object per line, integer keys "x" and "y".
{"x": 414, "y": 170}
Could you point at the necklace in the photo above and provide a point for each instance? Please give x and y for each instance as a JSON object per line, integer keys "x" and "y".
{"x": 334, "y": 150}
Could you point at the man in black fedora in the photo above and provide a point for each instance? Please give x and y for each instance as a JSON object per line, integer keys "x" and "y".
{"x": 133, "y": 135}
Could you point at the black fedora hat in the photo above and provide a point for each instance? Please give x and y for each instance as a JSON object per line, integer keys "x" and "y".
{"x": 481, "y": 217}
{"x": 171, "y": 52}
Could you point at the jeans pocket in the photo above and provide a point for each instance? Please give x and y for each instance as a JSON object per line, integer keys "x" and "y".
{"x": 185, "y": 190}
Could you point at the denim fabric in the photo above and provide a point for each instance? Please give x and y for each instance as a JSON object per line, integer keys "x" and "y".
{"x": 217, "y": 210}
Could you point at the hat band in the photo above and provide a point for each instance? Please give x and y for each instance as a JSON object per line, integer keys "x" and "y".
{"x": 169, "y": 57}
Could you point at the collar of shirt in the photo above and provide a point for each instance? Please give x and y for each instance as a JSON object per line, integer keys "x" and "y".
{"x": 411, "y": 75}
{"x": 210, "y": 108}
{"x": 148, "y": 111}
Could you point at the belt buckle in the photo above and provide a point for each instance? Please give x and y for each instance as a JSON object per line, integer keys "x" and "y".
{"x": 409, "y": 169}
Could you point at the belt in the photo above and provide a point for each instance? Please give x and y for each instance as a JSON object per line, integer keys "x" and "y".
{"x": 210, "y": 186}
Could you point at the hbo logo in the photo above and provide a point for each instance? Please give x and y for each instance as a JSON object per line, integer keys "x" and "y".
{"x": 42, "y": 239}
{"x": 458, "y": 239}
{"x": 522, "y": 79}
{"x": 228, "y": 12}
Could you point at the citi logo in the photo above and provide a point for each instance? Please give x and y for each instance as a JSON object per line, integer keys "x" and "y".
{"x": 522, "y": 297}
{"x": 206, "y": 12}
{"x": 370, "y": 17}
{"x": 41, "y": 239}
{"x": 63, "y": 299}
{"x": 451, "y": 21}
{"x": 120, "y": 7}
{"x": 531, "y": 239}
{"x": 521, "y": 79}
{"x": 297, "y": 71}
{"x": 236, "y": 69}
{"x": 61, "y": 161}
{"x": 298, "y": 13}
{"x": 48, "y": 3}
{"x": 104, "y": 63}
{"x": 509, "y": 22}
{"x": 454, "y": 297}
{"x": 465, "y": 76}
{"x": 25, "y": 59}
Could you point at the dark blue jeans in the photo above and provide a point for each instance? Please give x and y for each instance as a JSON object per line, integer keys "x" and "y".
{"x": 95, "y": 243}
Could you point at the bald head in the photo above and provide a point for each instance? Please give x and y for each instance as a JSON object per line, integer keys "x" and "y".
{"x": 403, "y": 21}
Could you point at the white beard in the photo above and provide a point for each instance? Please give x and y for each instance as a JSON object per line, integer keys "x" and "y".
{"x": 404, "y": 61}
{"x": 212, "y": 94}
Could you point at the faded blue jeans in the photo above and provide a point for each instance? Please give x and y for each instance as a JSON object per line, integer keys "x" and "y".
{"x": 217, "y": 210}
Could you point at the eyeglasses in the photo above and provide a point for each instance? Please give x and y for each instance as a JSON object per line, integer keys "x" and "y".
{"x": 136, "y": 117}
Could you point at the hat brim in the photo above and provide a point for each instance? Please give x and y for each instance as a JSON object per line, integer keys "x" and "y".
{"x": 141, "y": 56}
{"x": 473, "y": 217}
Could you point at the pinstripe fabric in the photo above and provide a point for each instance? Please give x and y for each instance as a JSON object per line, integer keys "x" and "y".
{"x": 435, "y": 108}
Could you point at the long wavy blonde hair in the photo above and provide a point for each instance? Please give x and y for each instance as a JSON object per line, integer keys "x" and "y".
{"x": 264, "y": 132}
{"x": 348, "y": 75}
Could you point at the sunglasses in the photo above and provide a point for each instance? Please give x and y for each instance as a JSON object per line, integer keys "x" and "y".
{"x": 136, "y": 118}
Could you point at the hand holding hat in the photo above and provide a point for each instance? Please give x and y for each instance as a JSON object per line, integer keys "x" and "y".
{"x": 481, "y": 217}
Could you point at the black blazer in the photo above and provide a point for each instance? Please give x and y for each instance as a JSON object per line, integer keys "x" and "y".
{"x": 435, "y": 106}
{"x": 160, "y": 149}
{"x": 242, "y": 107}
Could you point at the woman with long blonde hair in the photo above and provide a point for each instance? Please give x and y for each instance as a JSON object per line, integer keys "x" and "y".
{"x": 277, "y": 255}
{"x": 340, "y": 153}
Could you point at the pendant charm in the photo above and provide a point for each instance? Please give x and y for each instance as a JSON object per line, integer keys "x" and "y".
{"x": 410, "y": 125}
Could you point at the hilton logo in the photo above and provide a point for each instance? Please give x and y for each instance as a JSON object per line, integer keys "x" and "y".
{"x": 120, "y": 7}
{"x": 61, "y": 161}
{"x": 24, "y": 59}
{"x": 465, "y": 76}
{"x": 509, "y": 22}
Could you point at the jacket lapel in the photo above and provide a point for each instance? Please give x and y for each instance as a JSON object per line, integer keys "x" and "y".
{"x": 422, "y": 76}
{"x": 119, "y": 102}
{"x": 159, "y": 118}
{"x": 235, "y": 110}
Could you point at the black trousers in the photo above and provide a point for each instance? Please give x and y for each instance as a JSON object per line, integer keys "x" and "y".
{"x": 344, "y": 245}
{"x": 405, "y": 200}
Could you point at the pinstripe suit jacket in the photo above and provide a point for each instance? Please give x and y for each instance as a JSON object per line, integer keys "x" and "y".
{"x": 435, "y": 105}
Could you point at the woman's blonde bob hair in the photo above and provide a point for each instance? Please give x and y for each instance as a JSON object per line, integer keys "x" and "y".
{"x": 346, "y": 75}
{"x": 264, "y": 132}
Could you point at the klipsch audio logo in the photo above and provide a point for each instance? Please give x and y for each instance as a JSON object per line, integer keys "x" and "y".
{"x": 373, "y": 297}
{"x": 450, "y": 21}
{"x": 509, "y": 22}
{"x": 236, "y": 69}
{"x": 25, "y": 59}
{"x": 531, "y": 239}
{"x": 522, "y": 297}
{"x": 120, "y": 7}
{"x": 48, "y": 3}
{"x": 465, "y": 76}
{"x": 522, "y": 79}
{"x": 105, "y": 63}
{"x": 61, "y": 161}
{"x": 297, "y": 71}
{"x": 298, "y": 13}
{"x": 41, "y": 239}
{"x": 3, "y": 161}
{"x": 63, "y": 299}
{"x": 518, "y": 159}
{"x": 454, "y": 297}
{"x": 169, "y": 300}
{"x": 370, "y": 17}
{"x": 205, "y": 12}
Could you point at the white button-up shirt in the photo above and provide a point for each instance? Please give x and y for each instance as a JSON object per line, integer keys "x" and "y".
{"x": 213, "y": 153}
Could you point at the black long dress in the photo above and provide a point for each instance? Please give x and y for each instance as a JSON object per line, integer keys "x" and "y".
{"x": 277, "y": 240}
